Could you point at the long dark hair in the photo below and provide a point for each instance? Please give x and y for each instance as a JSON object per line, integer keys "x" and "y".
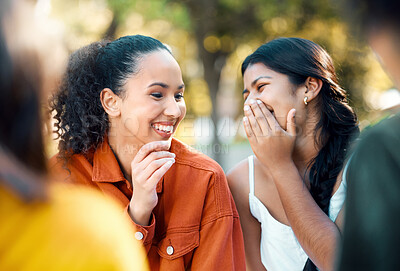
{"x": 299, "y": 59}
{"x": 81, "y": 122}
{"x": 22, "y": 158}
{"x": 21, "y": 125}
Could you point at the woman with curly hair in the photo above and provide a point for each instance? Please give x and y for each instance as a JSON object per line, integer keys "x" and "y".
{"x": 117, "y": 109}
{"x": 299, "y": 125}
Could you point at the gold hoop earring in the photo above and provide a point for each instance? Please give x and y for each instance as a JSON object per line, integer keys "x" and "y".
{"x": 305, "y": 100}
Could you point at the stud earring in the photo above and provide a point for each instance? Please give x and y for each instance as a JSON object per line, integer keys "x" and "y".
{"x": 305, "y": 100}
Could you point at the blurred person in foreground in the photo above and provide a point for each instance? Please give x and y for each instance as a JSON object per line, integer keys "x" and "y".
{"x": 371, "y": 238}
{"x": 46, "y": 226}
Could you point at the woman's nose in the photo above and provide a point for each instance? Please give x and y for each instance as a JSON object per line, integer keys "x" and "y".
{"x": 251, "y": 96}
{"x": 172, "y": 108}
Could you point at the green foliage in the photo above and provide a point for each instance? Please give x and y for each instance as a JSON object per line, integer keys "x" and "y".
{"x": 172, "y": 11}
{"x": 209, "y": 32}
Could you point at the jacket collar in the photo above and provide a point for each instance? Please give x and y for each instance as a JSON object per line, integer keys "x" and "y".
{"x": 106, "y": 168}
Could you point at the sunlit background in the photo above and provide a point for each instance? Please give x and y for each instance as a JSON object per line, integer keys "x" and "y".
{"x": 210, "y": 39}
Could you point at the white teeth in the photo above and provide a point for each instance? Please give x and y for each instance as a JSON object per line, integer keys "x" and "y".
{"x": 163, "y": 128}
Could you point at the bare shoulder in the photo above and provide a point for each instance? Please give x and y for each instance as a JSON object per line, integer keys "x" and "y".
{"x": 238, "y": 180}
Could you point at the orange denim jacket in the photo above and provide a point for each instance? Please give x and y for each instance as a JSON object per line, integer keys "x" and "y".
{"x": 195, "y": 224}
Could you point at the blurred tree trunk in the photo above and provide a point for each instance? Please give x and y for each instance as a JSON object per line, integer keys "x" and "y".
{"x": 203, "y": 14}
{"x": 111, "y": 31}
{"x": 212, "y": 63}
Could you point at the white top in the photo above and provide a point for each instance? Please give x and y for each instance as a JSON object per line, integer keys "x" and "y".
{"x": 279, "y": 247}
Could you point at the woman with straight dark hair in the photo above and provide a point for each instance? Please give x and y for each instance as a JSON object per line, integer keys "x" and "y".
{"x": 117, "y": 109}
{"x": 299, "y": 126}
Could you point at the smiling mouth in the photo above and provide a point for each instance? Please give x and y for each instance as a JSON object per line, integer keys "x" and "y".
{"x": 164, "y": 130}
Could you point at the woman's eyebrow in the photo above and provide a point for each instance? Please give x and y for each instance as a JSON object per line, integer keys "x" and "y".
{"x": 260, "y": 77}
{"x": 163, "y": 85}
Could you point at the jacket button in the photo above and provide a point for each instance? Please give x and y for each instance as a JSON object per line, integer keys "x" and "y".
{"x": 138, "y": 235}
{"x": 170, "y": 250}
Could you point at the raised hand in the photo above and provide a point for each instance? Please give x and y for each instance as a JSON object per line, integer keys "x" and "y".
{"x": 148, "y": 167}
{"x": 272, "y": 145}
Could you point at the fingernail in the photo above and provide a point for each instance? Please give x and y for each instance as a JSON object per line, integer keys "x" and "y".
{"x": 245, "y": 119}
{"x": 252, "y": 101}
{"x": 246, "y": 107}
{"x": 259, "y": 102}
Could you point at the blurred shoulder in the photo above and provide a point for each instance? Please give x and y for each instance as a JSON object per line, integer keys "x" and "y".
{"x": 379, "y": 140}
{"x": 96, "y": 222}
{"x": 71, "y": 198}
{"x": 386, "y": 131}
{"x": 77, "y": 221}
{"x": 376, "y": 156}
{"x": 88, "y": 206}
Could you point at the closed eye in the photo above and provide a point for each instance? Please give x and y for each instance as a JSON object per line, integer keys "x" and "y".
{"x": 157, "y": 95}
{"x": 260, "y": 86}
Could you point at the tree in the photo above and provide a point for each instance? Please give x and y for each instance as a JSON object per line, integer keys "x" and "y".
{"x": 220, "y": 27}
